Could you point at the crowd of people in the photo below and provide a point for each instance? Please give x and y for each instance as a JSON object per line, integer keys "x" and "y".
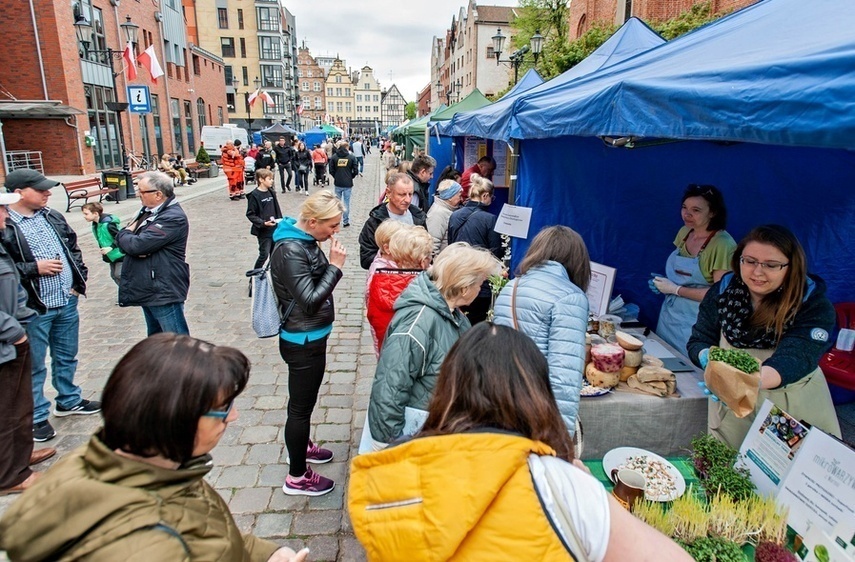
{"x": 459, "y": 406}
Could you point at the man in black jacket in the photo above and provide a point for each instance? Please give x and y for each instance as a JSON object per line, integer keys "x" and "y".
{"x": 421, "y": 173}
{"x": 50, "y": 264}
{"x": 266, "y": 158}
{"x": 399, "y": 192}
{"x": 155, "y": 275}
{"x": 284, "y": 155}
{"x": 344, "y": 167}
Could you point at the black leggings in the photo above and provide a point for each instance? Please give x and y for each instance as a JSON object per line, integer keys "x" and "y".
{"x": 265, "y": 244}
{"x": 306, "y": 366}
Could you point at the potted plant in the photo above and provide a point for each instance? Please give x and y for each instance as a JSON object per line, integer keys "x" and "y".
{"x": 206, "y": 167}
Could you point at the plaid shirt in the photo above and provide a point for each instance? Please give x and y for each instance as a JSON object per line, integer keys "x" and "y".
{"x": 45, "y": 245}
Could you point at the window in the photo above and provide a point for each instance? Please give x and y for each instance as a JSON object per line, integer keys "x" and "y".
{"x": 347, "y": 92}
{"x": 338, "y": 79}
{"x": 299, "y": 72}
{"x": 178, "y": 145}
{"x": 338, "y": 106}
{"x": 188, "y": 126}
{"x": 305, "y": 86}
{"x": 222, "y": 18}
{"x": 230, "y": 102}
{"x": 348, "y": 106}
{"x": 278, "y": 106}
{"x": 200, "y": 111}
{"x": 358, "y": 97}
{"x": 359, "y": 109}
{"x": 103, "y": 126}
{"x": 366, "y": 86}
{"x": 240, "y": 18}
{"x": 197, "y": 69}
{"x": 338, "y": 92}
{"x": 242, "y": 48}
{"x": 271, "y": 76}
{"x": 245, "y": 76}
{"x": 330, "y": 106}
{"x": 318, "y": 103}
{"x": 220, "y": 115}
{"x": 269, "y": 48}
{"x": 329, "y": 91}
{"x": 227, "y": 44}
{"x": 309, "y": 73}
{"x": 317, "y": 87}
{"x": 491, "y": 54}
{"x": 376, "y": 109}
{"x": 376, "y": 97}
{"x": 268, "y": 19}
{"x": 227, "y": 73}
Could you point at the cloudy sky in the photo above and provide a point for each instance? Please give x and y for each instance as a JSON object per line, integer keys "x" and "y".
{"x": 389, "y": 36}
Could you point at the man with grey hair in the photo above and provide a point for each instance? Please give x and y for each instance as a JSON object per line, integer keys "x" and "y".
{"x": 421, "y": 171}
{"x": 155, "y": 275}
{"x": 399, "y": 194}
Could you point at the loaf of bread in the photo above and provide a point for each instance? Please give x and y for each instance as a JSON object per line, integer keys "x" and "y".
{"x": 655, "y": 374}
{"x": 655, "y": 388}
{"x": 651, "y": 361}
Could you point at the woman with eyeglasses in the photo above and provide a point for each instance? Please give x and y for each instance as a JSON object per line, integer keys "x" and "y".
{"x": 137, "y": 491}
{"x": 475, "y": 224}
{"x": 702, "y": 257}
{"x": 771, "y": 307}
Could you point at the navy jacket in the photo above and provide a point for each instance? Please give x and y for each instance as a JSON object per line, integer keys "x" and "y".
{"x": 154, "y": 271}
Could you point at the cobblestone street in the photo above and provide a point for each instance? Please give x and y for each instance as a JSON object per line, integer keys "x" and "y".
{"x": 249, "y": 463}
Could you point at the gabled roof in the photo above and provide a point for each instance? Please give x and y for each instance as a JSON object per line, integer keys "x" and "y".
{"x": 493, "y": 14}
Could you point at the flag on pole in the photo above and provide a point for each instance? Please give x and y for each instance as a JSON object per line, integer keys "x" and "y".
{"x": 253, "y": 96}
{"x": 268, "y": 98}
{"x": 130, "y": 62}
{"x": 148, "y": 59}
{"x": 300, "y": 109}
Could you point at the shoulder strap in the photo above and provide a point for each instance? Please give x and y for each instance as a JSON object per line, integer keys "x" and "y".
{"x": 565, "y": 522}
{"x": 514, "y": 304}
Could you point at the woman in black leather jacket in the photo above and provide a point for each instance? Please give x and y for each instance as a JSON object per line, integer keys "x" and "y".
{"x": 303, "y": 280}
{"x": 302, "y": 165}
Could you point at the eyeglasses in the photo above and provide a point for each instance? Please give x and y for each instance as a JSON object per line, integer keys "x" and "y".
{"x": 147, "y": 191}
{"x": 764, "y": 265}
{"x": 221, "y": 413}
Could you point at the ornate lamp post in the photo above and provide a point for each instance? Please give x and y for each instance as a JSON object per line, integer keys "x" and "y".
{"x": 83, "y": 29}
{"x": 516, "y": 58}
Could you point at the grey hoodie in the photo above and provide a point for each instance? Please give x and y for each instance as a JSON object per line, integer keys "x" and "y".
{"x": 14, "y": 313}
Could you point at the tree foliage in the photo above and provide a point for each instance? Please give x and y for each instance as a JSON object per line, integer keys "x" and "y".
{"x": 202, "y": 156}
{"x": 693, "y": 18}
{"x": 410, "y": 110}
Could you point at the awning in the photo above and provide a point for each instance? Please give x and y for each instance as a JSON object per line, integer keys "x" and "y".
{"x": 36, "y": 110}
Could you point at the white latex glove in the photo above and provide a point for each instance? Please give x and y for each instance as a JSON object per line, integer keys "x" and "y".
{"x": 665, "y": 286}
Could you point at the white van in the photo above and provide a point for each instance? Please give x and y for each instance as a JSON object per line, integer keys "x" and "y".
{"x": 215, "y": 137}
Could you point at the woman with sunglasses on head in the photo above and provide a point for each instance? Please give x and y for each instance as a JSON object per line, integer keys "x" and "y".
{"x": 702, "y": 256}
{"x": 491, "y": 474}
{"x": 137, "y": 491}
{"x": 771, "y": 307}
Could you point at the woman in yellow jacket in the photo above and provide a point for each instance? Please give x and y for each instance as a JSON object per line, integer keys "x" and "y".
{"x": 491, "y": 476}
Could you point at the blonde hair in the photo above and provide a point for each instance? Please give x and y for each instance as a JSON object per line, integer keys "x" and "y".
{"x": 479, "y": 186}
{"x": 459, "y": 266}
{"x": 409, "y": 248}
{"x": 321, "y": 206}
{"x": 387, "y": 229}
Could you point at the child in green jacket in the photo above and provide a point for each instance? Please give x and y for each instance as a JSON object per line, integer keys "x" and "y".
{"x": 104, "y": 228}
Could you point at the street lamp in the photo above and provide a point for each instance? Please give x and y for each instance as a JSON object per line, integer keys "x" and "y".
{"x": 517, "y": 57}
{"x": 83, "y": 30}
{"x": 453, "y": 89}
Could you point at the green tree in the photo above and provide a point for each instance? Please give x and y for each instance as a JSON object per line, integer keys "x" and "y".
{"x": 410, "y": 110}
{"x": 549, "y": 17}
{"x": 202, "y": 156}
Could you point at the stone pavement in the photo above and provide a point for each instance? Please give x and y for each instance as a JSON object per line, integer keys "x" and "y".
{"x": 249, "y": 463}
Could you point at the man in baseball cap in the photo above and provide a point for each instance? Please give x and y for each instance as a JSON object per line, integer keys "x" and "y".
{"x": 44, "y": 248}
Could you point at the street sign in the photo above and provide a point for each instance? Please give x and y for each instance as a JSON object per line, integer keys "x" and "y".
{"x": 139, "y": 100}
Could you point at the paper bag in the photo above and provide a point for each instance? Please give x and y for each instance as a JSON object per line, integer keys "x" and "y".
{"x": 738, "y": 390}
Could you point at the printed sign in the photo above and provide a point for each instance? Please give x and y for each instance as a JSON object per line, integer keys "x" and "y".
{"x": 514, "y": 221}
{"x": 139, "y": 100}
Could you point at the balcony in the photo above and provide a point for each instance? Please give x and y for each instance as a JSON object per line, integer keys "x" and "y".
{"x": 270, "y": 54}
{"x": 268, "y": 25}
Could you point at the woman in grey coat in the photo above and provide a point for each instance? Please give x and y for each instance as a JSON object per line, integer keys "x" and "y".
{"x": 547, "y": 302}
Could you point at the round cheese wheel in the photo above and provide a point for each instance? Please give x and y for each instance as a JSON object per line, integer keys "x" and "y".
{"x": 601, "y": 378}
{"x": 633, "y": 358}
{"x": 628, "y": 342}
{"x": 608, "y": 357}
{"x": 627, "y": 372}
{"x": 651, "y": 361}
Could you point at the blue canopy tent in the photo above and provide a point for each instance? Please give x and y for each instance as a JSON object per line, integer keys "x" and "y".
{"x": 314, "y": 136}
{"x": 492, "y": 122}
{"x": 529, "y": 80}
{"x": 760, "y": 103}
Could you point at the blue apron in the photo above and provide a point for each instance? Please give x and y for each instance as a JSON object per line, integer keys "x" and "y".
{"x": 679, "y": 314}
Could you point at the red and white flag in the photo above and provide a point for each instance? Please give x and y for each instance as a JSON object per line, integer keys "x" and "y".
{"x": 148, "y": 59}
{"x": 130, "y": 62}
{"x": 268, "y": 99}
{"x": 300, "y": 109}
{"x": 253, "y": 96}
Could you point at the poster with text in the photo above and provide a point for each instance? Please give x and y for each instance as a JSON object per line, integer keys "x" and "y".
{"x": 473, "y": 149}
{"x": 600, "y": 290}
{"x": 500, "y": 155}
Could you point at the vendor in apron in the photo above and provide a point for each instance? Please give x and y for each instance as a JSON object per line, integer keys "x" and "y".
{"x": 703, "y": 255}
{"x": 773, "y": 309}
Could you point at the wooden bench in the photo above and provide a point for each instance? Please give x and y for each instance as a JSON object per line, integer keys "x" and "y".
{"x": 86, "y": 189}
{"x": 193, "y": 170}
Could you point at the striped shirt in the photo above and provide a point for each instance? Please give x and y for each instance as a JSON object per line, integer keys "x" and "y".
{"x": 45, "y": 244}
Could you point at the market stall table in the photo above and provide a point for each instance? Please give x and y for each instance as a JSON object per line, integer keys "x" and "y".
{"x": 665, "y": 426}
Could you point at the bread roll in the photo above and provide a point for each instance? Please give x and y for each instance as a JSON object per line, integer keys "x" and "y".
{"x": 654, "y": 374}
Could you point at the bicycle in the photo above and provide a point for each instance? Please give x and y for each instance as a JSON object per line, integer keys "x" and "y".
{"x": 141, "y": 162}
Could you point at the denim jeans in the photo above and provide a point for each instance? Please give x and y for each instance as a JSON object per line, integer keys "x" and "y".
{"x": 58, "y": 329}
{"x": 306, "y": 366}
{"x": 283, "y": 169}
{"x": 361, "y": 159}
{"x": 166, "y": 318}
{"x": 343, "y": 193}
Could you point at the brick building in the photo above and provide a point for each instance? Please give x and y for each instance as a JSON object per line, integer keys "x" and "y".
{"x": 312, "y": 91}
{"x": 47, "y": 62}
{"x": 423, "y": 104}
{"x": 582, "y": 14}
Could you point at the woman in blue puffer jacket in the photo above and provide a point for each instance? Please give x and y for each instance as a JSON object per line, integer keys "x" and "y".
{"x": 547, "y": 302}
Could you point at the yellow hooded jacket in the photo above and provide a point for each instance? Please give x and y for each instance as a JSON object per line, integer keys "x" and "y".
{"x": 452, "y": 497}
